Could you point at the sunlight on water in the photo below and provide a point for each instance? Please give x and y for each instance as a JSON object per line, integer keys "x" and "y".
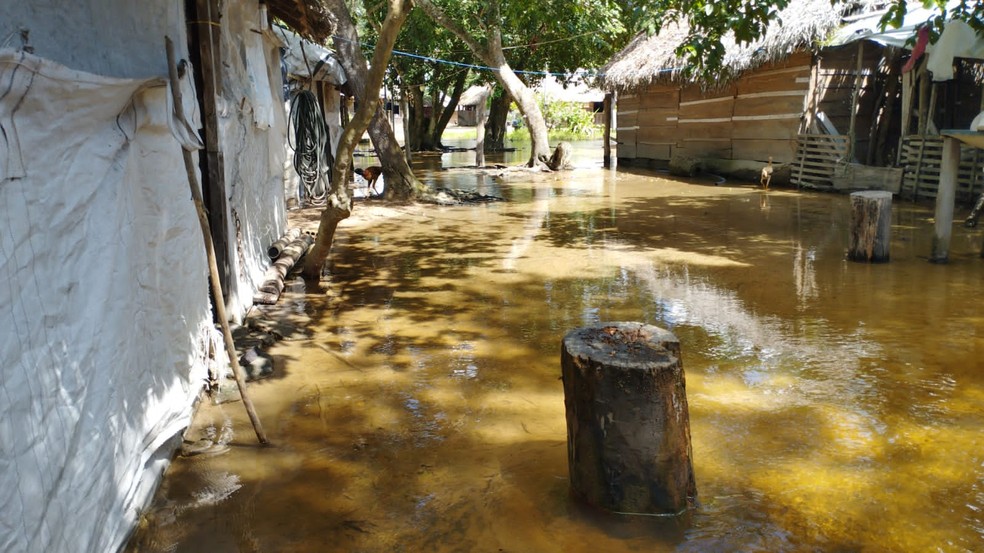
{"x": 834, "y": 406}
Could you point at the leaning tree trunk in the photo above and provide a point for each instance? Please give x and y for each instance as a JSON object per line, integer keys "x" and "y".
{"x": 401, "y": 184}
{"x": 495, "y": 130}
{"x": 526, "y": 100}
{"x": 489, "y": 50}
{"x": 339, "y": 203}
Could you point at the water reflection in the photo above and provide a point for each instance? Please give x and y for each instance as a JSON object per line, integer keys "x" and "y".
{"x": 834, "y": 406}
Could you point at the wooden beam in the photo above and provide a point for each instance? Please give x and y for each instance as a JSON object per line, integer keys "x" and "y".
{"x": 607, "y": 160}
{"x": 207, "y": 41}
{"x": 858, "y": 80}
{"x": 945, "y": 197}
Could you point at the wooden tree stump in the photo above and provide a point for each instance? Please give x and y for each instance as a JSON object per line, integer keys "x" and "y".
{"x": 628, "y": 428}
{"x": 871, "y": 226}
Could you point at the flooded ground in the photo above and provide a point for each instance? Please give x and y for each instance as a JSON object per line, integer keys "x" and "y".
{"x": 834, "y": 406}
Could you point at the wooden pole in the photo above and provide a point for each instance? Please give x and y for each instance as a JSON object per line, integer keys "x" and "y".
{"x": 628, "y": 427}
{"x": 871, "y": 226}
{"x": 608, "y": 130}
{"x": 858, "y": 82}
{"x": 196, "y": 196}
{"x": 945, "y": 197}
{"x": 405, "y": 119}
{"x": 480, "y": 132}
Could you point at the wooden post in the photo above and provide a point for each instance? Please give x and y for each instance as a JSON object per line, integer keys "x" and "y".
{"x": 213, "y": 165}
{"x": 628, "y": 428}
{"x": 196, "y": 197}
{"x": 405, "y": 121}
{"x": 871, "y": 226}
{"x": 858, "y": 82}
{"x": 608, "y": 130}
{"x": 945, "y": 197}
{"x": 480, "y": 132}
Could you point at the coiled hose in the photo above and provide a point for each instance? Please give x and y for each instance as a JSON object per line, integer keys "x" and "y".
{"x": 310, "y": 143}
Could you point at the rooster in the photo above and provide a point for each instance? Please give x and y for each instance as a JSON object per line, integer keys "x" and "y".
{"x": 371, "y": 174}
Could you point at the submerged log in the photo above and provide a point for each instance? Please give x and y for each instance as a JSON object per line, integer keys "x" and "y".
{"x": 871, "y": 226}
{"x": 628, "y": 427}
{"x": 273, "y": 281}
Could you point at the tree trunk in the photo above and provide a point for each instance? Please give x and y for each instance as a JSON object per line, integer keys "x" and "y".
{"x": 339, "y": 203}
{"x": 495, "y": 131}
{"x": 448, "y": 111}
{"x": 491, "y": 53}
{"x": 526, "y": 100}
{"x": 628, "y": 425}
{"x": 871, "y": 226}
{"x": 401, "y": 184}
{"x": 419, "y": 119}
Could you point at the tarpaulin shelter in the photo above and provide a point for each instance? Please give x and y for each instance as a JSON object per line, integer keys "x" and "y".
{"x": 105, "y": 318}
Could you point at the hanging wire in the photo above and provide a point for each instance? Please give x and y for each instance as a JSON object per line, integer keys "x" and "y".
{"x": 310, "y": 141}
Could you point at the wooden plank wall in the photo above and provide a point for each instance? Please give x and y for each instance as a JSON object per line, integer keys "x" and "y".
{"x": 752, "y": 118}
{"x": 627, "y": 125}
{"x": 837, "y": 76}
{"x": 768, "y": 109}
{"x": 816, "y": 158}
{"x": 647, "y": 123}
{"x": 921, "y": 160}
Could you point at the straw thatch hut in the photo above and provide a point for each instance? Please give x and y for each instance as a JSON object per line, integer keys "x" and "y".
{"x": 822, "y": 93}
{"x": 754, "y": 110}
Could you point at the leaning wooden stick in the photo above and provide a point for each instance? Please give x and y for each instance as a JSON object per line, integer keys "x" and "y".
{"x": 213, "y": 267}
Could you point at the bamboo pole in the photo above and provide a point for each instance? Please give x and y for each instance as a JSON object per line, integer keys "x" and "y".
{"x": 196, "y": 195}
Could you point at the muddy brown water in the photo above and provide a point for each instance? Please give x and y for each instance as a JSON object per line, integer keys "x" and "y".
{"x": 834, "y": 406}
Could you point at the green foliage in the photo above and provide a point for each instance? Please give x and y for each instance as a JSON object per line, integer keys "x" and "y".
{"x": 709, "y": 20}
{"x": 568, "y": 117}
{"x": 971, "y": 11}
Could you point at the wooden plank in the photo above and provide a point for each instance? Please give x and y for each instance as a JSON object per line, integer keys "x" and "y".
{"x": 713, "y": 110}
{"x": 657, "y": 134}
{"x": 704, "y": 130}
{"x": 781, "y": 151}
{"x": 692, "y": 93}
{"x": 626, "y": 135}
{"x": 774, "y": 129}
{"x": 769, "y": 105}
{"x": 699, "y": 149}
{"x": 626, "y": 151}
{"x": 660, "y": 96}
{"x": 658, "y": 116}
{"x": 653, "y": 151}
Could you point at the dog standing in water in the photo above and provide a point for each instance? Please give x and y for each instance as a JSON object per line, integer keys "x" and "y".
{"x": 371, "y": 174}
{"x": 766, "y": 178}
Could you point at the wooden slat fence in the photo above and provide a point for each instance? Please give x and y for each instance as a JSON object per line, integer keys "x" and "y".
{"x": 921, "y": 157}
{"x": 817, "y": 156}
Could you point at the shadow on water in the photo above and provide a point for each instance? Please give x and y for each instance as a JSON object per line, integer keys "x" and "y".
{"x": 834, "y": 406}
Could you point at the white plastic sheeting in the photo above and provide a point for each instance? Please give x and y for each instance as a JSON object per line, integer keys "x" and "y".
{"x": 252, "y": 131}
{"x": 104, "y": 317}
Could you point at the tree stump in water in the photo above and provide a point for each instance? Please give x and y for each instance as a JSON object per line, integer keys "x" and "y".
{"x": 871, "y": 226}
{"x": 561, "y": 158}
{"x": 628, "y": 428}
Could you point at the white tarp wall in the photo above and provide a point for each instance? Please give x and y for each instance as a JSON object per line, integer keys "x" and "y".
{"x": 252, "y": 130}
{"x": 104, "y": 315}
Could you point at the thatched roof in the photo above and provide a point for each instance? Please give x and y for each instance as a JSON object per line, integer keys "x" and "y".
{"x": 309, "y": 18}
{"x": 650, "y": 59}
